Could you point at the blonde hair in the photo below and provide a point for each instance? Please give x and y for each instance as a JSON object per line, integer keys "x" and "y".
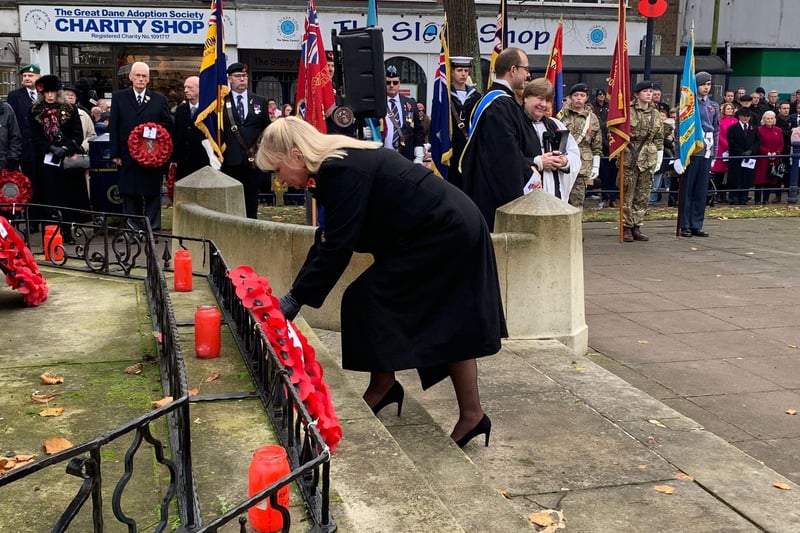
{"x": 281, "y": 136}
{"x": 766, "y": 115}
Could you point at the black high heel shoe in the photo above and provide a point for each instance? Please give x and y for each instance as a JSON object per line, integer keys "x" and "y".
{"x": 483, "y": 427}
{"x": 394, "y": 395}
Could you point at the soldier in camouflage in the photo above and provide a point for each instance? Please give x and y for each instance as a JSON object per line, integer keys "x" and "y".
{"x": 584, "y": 126}
{"x": 643, "y": 155}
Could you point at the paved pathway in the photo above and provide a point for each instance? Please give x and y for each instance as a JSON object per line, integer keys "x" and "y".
{"x": 708, "y": 326}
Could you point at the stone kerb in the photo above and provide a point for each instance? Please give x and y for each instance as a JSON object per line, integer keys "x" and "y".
{"x": 539, "y": 247}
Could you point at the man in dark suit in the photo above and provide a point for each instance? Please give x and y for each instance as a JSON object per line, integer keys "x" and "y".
{"x": 743, "y": 140}
{"x": 20, "y": 101}
{"x": 188, "y": 154}
{"x": 245, "y": 117}
{"x": 139, "y": 186}
{"x": 403, "y": 128}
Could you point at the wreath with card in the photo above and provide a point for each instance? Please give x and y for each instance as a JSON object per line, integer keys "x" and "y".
{"x": 19, "y": 266}
{"x": 15, "y": 188}
{"x": 150, "y": 145}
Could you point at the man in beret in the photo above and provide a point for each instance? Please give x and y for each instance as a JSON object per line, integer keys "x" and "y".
{"x": 643, "y": 156}
{"x": 463, "y": 99}
{"x": 584, "y": 126}
{"x": 694, "y": 184}
{"x": 245, "y": 116}
{"x": 139, "y": 186}
{"x": 403, "y": 130}
{"x": 20, "y": 101}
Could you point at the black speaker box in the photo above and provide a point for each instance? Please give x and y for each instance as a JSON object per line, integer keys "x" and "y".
{"x": 360, "y": 77}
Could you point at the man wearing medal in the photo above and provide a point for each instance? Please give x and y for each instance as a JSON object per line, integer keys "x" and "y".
{"x": 403, "y": 129}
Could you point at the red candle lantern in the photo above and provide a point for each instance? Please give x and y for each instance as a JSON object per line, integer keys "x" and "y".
{"x": 183, "y": 271}
{"x": 269, "y": 464}
{"x": 207, "y": 323}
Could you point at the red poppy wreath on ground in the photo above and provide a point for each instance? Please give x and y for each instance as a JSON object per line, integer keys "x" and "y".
{"x": 19, "y": 266}
{"x": 292, "y": 349}
{"x": 150, "y": 145}
{"x": 15, "y": 188}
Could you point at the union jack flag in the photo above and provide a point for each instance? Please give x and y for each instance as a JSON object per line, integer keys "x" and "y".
{"x": 441, "y": 129}
{"x": 314, "y": 86}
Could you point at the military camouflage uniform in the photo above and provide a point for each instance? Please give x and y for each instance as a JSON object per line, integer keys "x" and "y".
{"x": 590, "y": 144}
{"x": 647, "y": 139}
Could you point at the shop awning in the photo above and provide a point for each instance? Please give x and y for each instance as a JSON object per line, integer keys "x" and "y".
{"x": 658, "y": 65}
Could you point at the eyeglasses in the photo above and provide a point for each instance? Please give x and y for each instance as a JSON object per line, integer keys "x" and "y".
{"x": 240, "y": 76}
{"x": 392, "y": 82}
{"x": 522, "y": 66}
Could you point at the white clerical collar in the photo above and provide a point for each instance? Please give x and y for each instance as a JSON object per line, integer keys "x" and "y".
{"x": 504, "y": 83}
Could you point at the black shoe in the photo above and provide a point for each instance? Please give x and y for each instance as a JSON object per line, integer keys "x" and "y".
{"x": 699, "y": 233}
{"x": 394, "y": 395}
{"x": 483, "y": 427}
{"x": 686, "y": 232}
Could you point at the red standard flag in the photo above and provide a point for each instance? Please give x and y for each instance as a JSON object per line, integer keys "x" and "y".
{"x": 619, "y": 92}
{"x": 314, "y": 86}
{"x": 554, "y": 73}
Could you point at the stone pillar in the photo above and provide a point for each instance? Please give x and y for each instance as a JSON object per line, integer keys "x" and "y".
{"x": 539, "y": 244}
{"x": 212, "y": 189}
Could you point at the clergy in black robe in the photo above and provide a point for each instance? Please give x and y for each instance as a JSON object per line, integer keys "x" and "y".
{"x": 431, "y": 297}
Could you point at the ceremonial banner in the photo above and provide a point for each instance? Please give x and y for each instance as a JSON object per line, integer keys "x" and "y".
{"x": 690, "y": 129}
{"x": 554, "y": 69}
{"x": 441, "y": 123}
{"x": 213, "y": 82}
{"x": 619, "y": 92}
{"x": 314, "y": 86}
{"x": 500, "y": 38}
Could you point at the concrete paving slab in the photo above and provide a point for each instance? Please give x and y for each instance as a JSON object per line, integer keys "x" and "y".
{"x": 776, "y": 454}
{"x": 710, "y": 421}
{"x": 762, "y": 413}
{"x": 605, "y": 285}
{"x": 731, "y": 344}
{"x": 780, "y": 369}
{"x": 651, "y": 347}
{"x": 689, "y": 508}
{"x": 683, "y": 321}
{"x": 757, "y": 316}
{"x": 790, "y": 336}
{"x": 607, "y": 325}
{"x": 709, "y": 377}
{"x": 635, "y": 302}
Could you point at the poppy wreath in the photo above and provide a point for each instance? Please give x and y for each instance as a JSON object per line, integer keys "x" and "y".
{"x": 19, "y": 266}
{"x": 15, "y": 187}
{"x": 151, "y": 153}
{"x": 293, "y": 351}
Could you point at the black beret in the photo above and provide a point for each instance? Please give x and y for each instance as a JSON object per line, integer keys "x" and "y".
{"x": 702, "y": 77}
{"x": 329, "y": 55}
{"x": 237, "y": 67}
{"x": 391, "y": 72}
{"x": 644, "y": 84}
{"x": 48, "y": 83}
{"x": 599, "y": 92}
{"x": 578, "y": 88}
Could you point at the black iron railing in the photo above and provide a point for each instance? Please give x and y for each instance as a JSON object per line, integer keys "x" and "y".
{"x": 111, "y": 244}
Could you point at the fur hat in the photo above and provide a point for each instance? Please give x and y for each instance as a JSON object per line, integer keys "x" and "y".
{"x": 48, "y": 83}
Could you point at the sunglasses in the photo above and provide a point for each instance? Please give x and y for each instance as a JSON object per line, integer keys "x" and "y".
{"x": 392, "y": 82}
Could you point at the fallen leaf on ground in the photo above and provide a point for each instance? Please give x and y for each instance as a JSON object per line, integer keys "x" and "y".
{"x": 194, "y": 391}
{"x": 212, "y": 377}
{"x": 38, "y": 397}
{"x": 643, "y": 342}
{"x": 693, "y": 248}
{"x": 49, "y": 379}
{"x": 664, "y": 489}
{"x": 642, "y": 467}
{"x": 581, "y": 368}
{"x": 10, "y": 463}
{"x": 793, "y": 346}
{"x": 791, "y": 411}
{"x": 781, "y": 485}
{"x": 51, "y": 411}
{"x": 504, "y": 494}
{"x": 162, "y": 402}
{"x": 56, "y": 444}
{"x": 135, "y": 369}
{"x": 550, "y": 519}
{"x": 680, "y": 476}
{"x": 749, "y": 253}
{"x": 657, "y": 423}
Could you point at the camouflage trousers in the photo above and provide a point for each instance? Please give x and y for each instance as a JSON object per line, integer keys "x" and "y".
{"x": 638, "y": 184}
{"x": 578, "y": 193}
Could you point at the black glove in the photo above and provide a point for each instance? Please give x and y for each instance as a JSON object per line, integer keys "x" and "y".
{"x": 12, "y": 164}
{"x": 289, "y": 306}
{"x": 58, "y": 151}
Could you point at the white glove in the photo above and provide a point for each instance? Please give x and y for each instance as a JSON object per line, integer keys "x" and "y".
{"x": 213, "y": 162}
{"x": 659, "y": 159}
{"x": 595, "y": 173}
{"x": 678, "y": 166}
{"x": 419, "y": 154}
{"x": 708, "y": 137}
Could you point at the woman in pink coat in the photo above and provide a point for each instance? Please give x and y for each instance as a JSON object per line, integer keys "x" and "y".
{"x": 719, "y": 167}
{"x": 770, "y": 144}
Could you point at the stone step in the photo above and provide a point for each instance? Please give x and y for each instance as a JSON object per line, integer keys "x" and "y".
{"x": 416, "y": 441}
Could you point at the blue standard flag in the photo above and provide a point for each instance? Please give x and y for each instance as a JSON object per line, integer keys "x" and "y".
{"x": 690, "y": 129}
{"x": 213, "y": 82}
{"x": 441, "y": 125}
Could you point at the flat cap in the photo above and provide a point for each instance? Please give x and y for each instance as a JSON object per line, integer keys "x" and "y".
{"x": 644, "y": 84}
{"x": 30, "y": 67}
{"x": 237, "y": 67}
{"x": 578, "y": 88}
{"x": 702, "y": 77}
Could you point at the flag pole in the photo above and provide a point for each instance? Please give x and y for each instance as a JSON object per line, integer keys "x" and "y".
{"x": 621, "y": 180}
